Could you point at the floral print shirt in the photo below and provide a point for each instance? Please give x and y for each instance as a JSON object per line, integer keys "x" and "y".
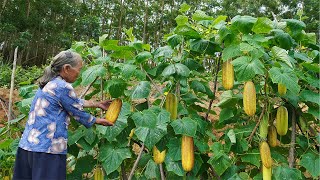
{"x": 47, "y": 126}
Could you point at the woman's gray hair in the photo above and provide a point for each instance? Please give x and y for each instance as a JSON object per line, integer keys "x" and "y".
{"x": 53, "y": 70}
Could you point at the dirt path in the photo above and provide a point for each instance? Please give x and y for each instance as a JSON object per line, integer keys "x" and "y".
{"x": 4, "y": 98}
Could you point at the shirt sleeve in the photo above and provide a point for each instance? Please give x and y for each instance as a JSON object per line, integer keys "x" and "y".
{"x": 74, "y": 106}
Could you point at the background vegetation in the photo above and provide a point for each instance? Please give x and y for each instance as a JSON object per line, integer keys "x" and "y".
{"x": 43, "y": 28}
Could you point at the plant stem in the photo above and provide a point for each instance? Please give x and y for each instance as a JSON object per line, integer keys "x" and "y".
{"x": 215, "y": 173}
{"x": 162, "y": 172}
{"x": 12, "y": 83}
{"x": 102, "y": 96}
{"x": 214, "y": 87}
{"x": 256, "y": 127}
{"x": 87, "y": 88}
{"x": 136, "y": 163}
{"x": 123, "y": 172}
{"x": 152, "y": 81}
{"x": 293, "y": 138}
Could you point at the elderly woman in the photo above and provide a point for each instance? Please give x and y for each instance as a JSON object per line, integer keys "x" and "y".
{"x": 43, "y": 146}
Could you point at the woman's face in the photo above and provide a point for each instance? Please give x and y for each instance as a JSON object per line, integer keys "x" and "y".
{"x": 69, "y": 73}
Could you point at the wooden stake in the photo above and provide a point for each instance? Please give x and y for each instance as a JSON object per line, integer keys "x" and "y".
{"x": 136, "y": 162}
{"x": 12, "y": 83}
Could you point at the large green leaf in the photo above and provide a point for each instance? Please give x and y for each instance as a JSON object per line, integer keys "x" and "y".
{"x": 201, "y": 145}
{"x": 246, "y": 47}
{"x": 252, "y": 157}
{"x": 185, "y": 126}
{"x": 174, "y": 40}
{"x": 143, "y": 56}
{"x": 295, "y": 25}
{"x": 310, "y": 38}
{"x": 90, "y": 136}
{"x": 220, "y": 162}
{"x": 184, "y": 7}
{"x": 281, "y": 54}
{"x": 151, "y": 127}
{"x": 227, "y": 99}
{"x": 197, "y": 164}
{"x": 89, "y": 75}
{"x": 123, "y": 54}
{"x": 283, "y": 39}
{"x": 174, "y": 149}
{"x": 219, "y": 20}
{"x": 127, "y": 70}
{"x": 197, "y": 86}
{"x": 179, "y": 69}
{"x": 262, "y": 26}
{"x": 285, "y": 76}
{"x": 102, "y": 40}
{"x": 95, "y": 51}
{"x": 165, "y": 52}
{"x": 116, "y": 87}
{"x": 74, "y": 136}
{"x": 84, "y": 165}
{"x": 246, "y": 68}
{"x": 231, "y": 52}
{"x": 243, "y": 24}
{"x": 187, "y": 32}
{"x": 112, "y": 157}
{"x": 181, "y": 20}
{"x": 240, "y": 176}
{"x": 311, "y": 162}
{"x": 142, "y": 90}
{"x": 152, "y": 170}
{"x": 224, "y": 33}
{"x": 200, "y": 16}
{"x": 312, "y": 67}
{"x": 225, "y": 114}
{"x": 282, "y": 172}
{"x": 204, "y": 46}
{"x": 85, "y": 145}
{"x": 110, "y": 133}
{"x": 102, "y": 60}
{"x": 310, "y": 96}
{"x": 174, "y": 166}
{"x": 302, "y": 56}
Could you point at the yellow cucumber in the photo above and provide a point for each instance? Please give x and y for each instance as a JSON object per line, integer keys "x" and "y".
{"x": 282, "y": 120}
{"x": 249, "y": 98}
{"x": 227, "y": 75}
{"x": 187, "y": 153}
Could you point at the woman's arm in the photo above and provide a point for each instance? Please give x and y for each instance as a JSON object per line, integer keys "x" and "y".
{"x": 104, "y": 105}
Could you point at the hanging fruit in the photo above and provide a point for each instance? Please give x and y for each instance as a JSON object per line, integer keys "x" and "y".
{"x": 282, "y": 89}
{"x": 282, "y": 120}
{"x": 114, "y": 110}
{"x": 158, "y": 156}
{"x": 227, "y": 75}
{"x": 187, "y": 153}
{"x": 249, "y": 98}
{"x": 172, "y": 105}
{"x": 265, "y": 154}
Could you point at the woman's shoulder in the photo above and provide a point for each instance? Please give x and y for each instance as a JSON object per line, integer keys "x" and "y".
{"x": 56, "y": 86}
{"x": 61, "y": 83}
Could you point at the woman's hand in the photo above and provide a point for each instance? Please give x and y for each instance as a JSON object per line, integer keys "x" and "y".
{"x": 104, "y": 105}
{"x": 103, "y": 122}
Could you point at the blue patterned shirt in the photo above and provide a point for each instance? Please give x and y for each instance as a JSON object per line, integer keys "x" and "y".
{"x": 47, "y": 126}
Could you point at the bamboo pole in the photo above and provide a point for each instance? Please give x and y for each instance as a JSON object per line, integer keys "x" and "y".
{"x": 12, "y": 83}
